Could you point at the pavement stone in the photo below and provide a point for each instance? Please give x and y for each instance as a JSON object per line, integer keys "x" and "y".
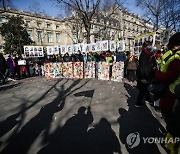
{"x": 39, "y": 115}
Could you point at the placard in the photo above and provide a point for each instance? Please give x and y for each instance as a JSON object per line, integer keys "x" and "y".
{"x": 33, "y": 51}
{"x": 67, "y": 70}
{"x": 117, "y": 71}
{"x": 78, "y": 70}
{"x": 103, "y": 71}
{"x": 89, "y": 70}
{"x": 21, "y": 62}
{"x": 112, "y": 45}
{"x": 104, "y": 45}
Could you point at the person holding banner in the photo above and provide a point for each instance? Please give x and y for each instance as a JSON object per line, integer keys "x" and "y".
{"x": 109, "y": 60}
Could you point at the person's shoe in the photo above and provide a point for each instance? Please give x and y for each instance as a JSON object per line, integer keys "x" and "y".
{"x": 139, "y": 105}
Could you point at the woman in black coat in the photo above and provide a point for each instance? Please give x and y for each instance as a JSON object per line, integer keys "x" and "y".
{"x": 145, "y": 72}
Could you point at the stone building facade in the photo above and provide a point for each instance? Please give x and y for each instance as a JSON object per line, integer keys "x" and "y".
{"x": 45, "y": 30}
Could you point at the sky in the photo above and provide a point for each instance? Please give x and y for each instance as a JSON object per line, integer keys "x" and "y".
{"x": 52, "y": 10}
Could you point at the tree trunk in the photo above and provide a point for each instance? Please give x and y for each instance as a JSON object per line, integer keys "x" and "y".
{"x": 88, "y": 31}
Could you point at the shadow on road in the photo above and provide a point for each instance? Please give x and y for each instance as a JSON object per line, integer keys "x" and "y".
{"x": 21, "y": 141}
{"x": 138, "y": 120}
{"x": 8, "y": 86}
{"x": 74, "y": 136}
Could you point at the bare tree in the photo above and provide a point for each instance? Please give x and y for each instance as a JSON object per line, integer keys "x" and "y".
{"x": 35, "y": 7}
{"x": 87, "y": 10}
{"x": 170, "y": 16}
{"x": 108, "y": 13}
{"x": 154, "y": 9}
{"x": 162, "y": 12}
{"x": 74, "y": 28}
{"x": 4, "y": 4}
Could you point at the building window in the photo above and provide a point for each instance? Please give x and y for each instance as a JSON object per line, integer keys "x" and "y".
{"x": 57, "y": 26}
{"x": 57, "y": 38}
{"x": 40, "y": 38}
{"x": 38, "y": 24}
{"x": 49, "y": 36}
{"x": 28, "y": 22}
{"x": 3, "y": 19}
{"x": 30, "y": 34}
{"x": 48, "y": 25}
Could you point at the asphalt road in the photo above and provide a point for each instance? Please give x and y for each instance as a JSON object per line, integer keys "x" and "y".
{"x": 39, "y": 115}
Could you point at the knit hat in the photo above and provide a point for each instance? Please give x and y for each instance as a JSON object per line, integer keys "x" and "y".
{"x": 174, "y": 40}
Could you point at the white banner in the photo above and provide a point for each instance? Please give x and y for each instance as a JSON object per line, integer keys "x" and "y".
{"x": 33, "y": 51}
{"x": 87, "y": 48}
{"x": 98, "y": 46}
{"x": 104, "y": 46}
{"x": 75, "y": 48}
{"x": 112, "y": 45}
{"x": 80, "y": 47}
{"x": 52, "y": 50}
{"x": 70, "y": 49}
{"x": 93, "y": 47}
{"x": 121, "y": 45}
{"x": 21, "y": 62}
{"x": 63, "y": 49}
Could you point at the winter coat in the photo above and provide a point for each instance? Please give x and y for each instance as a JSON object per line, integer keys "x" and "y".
{"x": 11, "y": 64}
{"x": 145, "y": 69}
{"x": 120, "y": 57}
{"x": 132, "y": 64}
{"x": 3, "y": 65}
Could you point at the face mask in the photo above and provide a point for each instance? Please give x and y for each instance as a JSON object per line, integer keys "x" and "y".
{"x": 149, "y": 48}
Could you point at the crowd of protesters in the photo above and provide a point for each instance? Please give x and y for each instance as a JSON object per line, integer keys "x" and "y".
{"x": 10, "y": 68}
{"x": 148, "y": 66}
{"x": 165, "y": 70}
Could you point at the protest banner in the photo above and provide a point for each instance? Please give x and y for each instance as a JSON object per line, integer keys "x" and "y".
{"x": 49, "y": 70}
{"x": 104, "y": 45}
{"x": 63, "y": 49}
{"x": 33, "y": 51}
{"x": 121, "y": 45}
{"x": 93, "y": 47}
{"x": 21, "y": 62}
{"x": 87, "y": 48}
{"x": 69, "y": 49}
{"x": 98, "y": 46}
{"x": 57, "y": 70}
{"x": 78, "y": 70}
{"x": 103, "y": 71}
{"x": 67, "y": 70}
{"x": 166, "y": 35}
{"x": 112, "y": 45}
{"x": 89, "y": 70}
{"x": 117, "y": 71}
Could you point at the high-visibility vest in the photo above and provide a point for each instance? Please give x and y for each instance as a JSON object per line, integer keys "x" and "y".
{"x": 109, "y": 60}
{"x": 167, "y": 58}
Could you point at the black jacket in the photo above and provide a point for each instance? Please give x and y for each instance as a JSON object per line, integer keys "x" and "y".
{"x": 146, "y": 66}
{"x": 3, "y": 65}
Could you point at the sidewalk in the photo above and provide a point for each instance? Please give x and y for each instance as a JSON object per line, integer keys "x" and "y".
{"x": 42, "y": 116}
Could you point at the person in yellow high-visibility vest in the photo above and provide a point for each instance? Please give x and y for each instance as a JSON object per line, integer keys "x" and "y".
{"x": 109, "y": 60}
{"x": 169, "y": 74}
